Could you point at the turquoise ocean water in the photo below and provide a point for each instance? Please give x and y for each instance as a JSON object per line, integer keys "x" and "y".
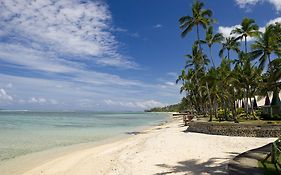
{"x": 22, "y": 133}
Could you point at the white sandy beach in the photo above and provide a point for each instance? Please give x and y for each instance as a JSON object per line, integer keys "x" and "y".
{"x": 164, "y": 149}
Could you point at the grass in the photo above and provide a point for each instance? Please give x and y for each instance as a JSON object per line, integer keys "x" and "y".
{"x": 269, "y": 168}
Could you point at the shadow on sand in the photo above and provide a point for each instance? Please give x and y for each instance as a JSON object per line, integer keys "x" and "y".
{"x": 195, "y": 168}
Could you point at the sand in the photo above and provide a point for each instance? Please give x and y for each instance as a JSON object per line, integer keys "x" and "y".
{"x": 161, "y": 150}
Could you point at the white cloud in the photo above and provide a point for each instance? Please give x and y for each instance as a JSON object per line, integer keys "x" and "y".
{"x": 135, "y": 104}
{"x": 273, "y": 21}
{"x": 244, "y": 3}
{"x": 173, "y": 75}
{"x": 4, "y": 96}
{"x": 276, "y": 3}
{"x": 225, "y": 30}
{"x": 65, "y": 27}
{"x": 169, "y": 83}
{"x": 9, "y": 85}
{"x": 135, "y": 35}
{"x": 61, "y": 94}
{"x": 249, "y": 3}
{"x": 32, "y": 59}
{"x": 40, "y": 101}
{"x": 119, "y": 29}
{"x": 51, "y": 47}
{"x": 157, "y": 26}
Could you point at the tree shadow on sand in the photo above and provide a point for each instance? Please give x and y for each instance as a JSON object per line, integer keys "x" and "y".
{"x": 195, "y": 168}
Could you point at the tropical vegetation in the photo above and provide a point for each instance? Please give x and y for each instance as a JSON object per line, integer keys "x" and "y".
{"x": 247, "y": 67}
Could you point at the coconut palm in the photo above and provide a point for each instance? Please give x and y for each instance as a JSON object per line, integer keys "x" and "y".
{"x": 249, "y": 78}
{"x": 265, "y": 45}
{"x": 195, "y": 64}
{"x": 273, "y": 80}
{"x": 248, "y": 29}
{"x": 200, "y": 17}
{"x": 229, "y": 44}
{"x": 197, "y": 59}
{"x": 211, "y": 39}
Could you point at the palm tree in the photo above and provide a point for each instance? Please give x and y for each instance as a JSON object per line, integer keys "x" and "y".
{"x": 249, "y": 78}
{"x": 195, "y": 64}
{"x": 225, "y": 79}
{"x": 265, "y": 45}
{"x": 213, "y": 80}
{"x": 200, "y": 17}
{"x": 248, "y": 28}
{"x": 211, "y": 39}
{"x": 273, "y": 80}
{"x": 197, "y": 59}
{"x": 229, "y": 44}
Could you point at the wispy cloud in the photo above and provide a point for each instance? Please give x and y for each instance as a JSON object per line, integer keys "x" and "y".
{"x": 248, "y": 3}
{"x": 88, "y": 94}
{"x": 49, "y": 51}
{"x": 135, "y": 104}
{"x": 157, "y": 26}
{"x": 5, "y": 97}
{"x": 64, "y": 27}
{"x": 173, "y": 75}
{"x": 134, "y": 35}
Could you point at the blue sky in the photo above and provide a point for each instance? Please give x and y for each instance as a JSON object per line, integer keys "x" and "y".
{"x": 103, "y": 55}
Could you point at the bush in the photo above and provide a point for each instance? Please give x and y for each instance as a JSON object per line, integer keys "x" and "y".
{"x": 221, "y": 114}
{"x": 240, "y": 111}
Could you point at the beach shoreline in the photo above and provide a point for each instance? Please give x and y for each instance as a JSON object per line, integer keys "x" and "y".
{"x": 164, "y": 148}
{"x": 23, "y": 163}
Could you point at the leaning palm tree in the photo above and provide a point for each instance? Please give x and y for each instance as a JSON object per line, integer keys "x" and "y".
{"x": 265, "y": 45}
{"x": 229, "y": 44}
{"x": 211, "y": 39}
{"x": 200, "y": 17}
{"x": 248, "y": 29}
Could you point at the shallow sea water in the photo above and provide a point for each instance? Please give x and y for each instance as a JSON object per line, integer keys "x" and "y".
{"x": 22, "y": 133}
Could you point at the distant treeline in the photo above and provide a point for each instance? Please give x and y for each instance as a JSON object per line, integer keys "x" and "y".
{"x": 171, "y": 108}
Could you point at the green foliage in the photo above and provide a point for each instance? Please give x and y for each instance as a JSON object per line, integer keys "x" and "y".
{"x": 269, "y": 168}
{"x": 222, "y": 115}
{"x": 182, "y": 106}
{"x": 237, "y": 78}
{"x": 170, "y": 108}
{"x": 240, "y": 111}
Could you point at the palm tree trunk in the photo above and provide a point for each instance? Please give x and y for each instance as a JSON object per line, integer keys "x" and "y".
{"x": 269, "y": 61}
{"x": 200, "y": 94}
{"x": 210, "y": 102}
{"x": 216, "y": 107}
{"x": 228, "y": 54}
{"x": 211, "y": 56}
{"x": 246, "y": 44}
{"x": 234, "y": 112}
{"x": 247, "y": 98}
{"x": 225, "y": 109}
{"x": 198, "y": 37}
